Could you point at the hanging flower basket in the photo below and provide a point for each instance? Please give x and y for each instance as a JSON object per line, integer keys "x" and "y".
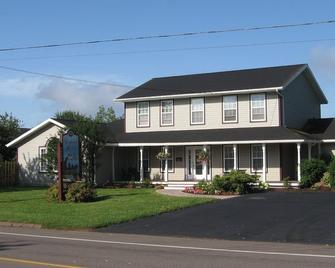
{"x": 162, "y": 156}
{"x": 203, "y": 156}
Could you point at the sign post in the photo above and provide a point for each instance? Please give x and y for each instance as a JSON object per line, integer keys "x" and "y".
{"x": 60, "y": 173}
{"x": 68, "y": 160}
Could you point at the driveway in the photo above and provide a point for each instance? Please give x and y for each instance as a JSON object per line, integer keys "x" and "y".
{"x": 273, "y": 217}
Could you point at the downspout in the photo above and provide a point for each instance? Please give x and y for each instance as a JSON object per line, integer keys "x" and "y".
{"x": 281, "y": 108}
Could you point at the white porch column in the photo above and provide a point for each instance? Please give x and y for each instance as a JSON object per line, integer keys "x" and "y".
{"x": 309, "y": 151}
{"x": 141, "y": 164}
{"x": 298, "y": 161}
{"x": 264, "y": 161}
{"x": 205, "y": 163}
{"x": 235, "y": 156}
{"x": 166, "y": 170}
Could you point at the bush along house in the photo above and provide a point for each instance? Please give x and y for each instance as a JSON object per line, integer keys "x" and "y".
{"x": 182, "y": 129}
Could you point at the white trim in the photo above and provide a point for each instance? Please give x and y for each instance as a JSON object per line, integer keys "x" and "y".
{"x": 33, "y": 130}
{"x": 225, "y": 109}
{"x": 264, "y": 108}
{"x": 40, "y": 158}
{"x": 124, "y": 144}
{"x": 328, "y": 140}
{"x": 213, "y": 93}
{"x": 171, "y": 158}
{"x": 172, "y": 113}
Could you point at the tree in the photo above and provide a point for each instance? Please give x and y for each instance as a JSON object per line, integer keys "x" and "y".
{"x": 9, "y": 130}
{"x": 105, "y": 115}
{"x": 91, "y": 137}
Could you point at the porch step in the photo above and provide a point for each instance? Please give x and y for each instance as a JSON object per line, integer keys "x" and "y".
{"x": 179, "y": 185}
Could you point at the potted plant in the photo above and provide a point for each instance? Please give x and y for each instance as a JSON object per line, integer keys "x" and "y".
{"x": 162, "y": 156}
{"x": 202, "y": 156}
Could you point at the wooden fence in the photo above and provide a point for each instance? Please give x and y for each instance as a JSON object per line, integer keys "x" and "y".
{"x": 8, "y": 173}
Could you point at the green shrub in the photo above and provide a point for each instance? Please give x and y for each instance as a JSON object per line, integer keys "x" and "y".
{"x": 205, "y": 187}
{"x": 263, "y": 186}
{"x": 331, "y": 170}
{"x": 52, "y": 193}
{"x": 236, "y": 181}
{"x": 80, "y": 192}
{"x": 311, "y": 172}
{"x": 286, "y": 183}
{"x": 326, "y": 178}
{"x": 146, "y": 183}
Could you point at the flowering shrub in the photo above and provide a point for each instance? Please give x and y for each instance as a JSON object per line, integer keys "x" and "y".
{"x": 202, "y": 155}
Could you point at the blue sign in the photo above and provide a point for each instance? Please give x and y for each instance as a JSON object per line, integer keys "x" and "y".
{"x": 71, "y": 156}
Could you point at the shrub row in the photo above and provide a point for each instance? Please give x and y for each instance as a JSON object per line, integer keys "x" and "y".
{"x": 236, "y": 182}
{"x": 74, "y": 192}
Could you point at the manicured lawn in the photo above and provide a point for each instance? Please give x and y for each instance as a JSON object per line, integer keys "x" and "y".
{"x": 29, "y": 205}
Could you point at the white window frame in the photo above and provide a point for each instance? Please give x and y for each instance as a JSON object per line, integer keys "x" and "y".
{"x": 171, "y": 158}
{"x": 41, "y": 161}
{"x": 146, "y": 114}
{"x": 230, "y": 109}
{"x": 253, "y": 158}
{"x": 146, "y": 157}
{"x": 224, "y": 157}
{"x": 252, "y": 107}
{"x": 164, "y": 112}
{"x": 201, "y": 110}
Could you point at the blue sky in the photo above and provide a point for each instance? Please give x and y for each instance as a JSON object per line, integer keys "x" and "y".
{"x": 33, "y": 98}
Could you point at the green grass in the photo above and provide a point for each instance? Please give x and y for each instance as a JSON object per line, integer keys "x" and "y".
{"x": 29, "y": 205}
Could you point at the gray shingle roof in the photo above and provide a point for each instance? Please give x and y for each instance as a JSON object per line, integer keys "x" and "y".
{"x": 215, "y": 82}
{"x": 322, "y": 128}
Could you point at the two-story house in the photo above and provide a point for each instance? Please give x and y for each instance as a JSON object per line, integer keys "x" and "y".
{"x": 264, "y": 121}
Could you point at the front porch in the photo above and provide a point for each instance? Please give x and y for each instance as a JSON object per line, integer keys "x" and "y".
{"x": 272, "y": 162}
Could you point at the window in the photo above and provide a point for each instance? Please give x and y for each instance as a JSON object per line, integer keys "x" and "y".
{"x": 256, "y": 158}
{"x": 145, "y": 160}
{"x": 43, "y": 162}
{"x": 167, "y": 112}
{"x": 197, "y": 111}
{"x": 228, "y": 157}
{"x": 170, "y": 161}
{"x": 230, "y": 109}
{"x": 258, "y": 112}
{"x": 143, "y": 116}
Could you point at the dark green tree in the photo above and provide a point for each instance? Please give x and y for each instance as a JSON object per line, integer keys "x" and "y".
{"x": 9, "y": 130}
{"x": 105, "y": 115}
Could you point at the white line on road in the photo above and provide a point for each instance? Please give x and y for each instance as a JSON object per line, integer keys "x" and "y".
{"x": 170, "y": 246}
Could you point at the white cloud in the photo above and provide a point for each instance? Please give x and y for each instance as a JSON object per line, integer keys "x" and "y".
{"x": 85, "y": 98}
{"x": 322, "y": 59}
{"x": 20, "y": 87}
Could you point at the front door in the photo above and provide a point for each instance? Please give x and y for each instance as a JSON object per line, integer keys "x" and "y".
{"x": 195, "y": 168}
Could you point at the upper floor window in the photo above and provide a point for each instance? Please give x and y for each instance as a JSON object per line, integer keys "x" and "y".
{"x": 197, "y": 111}
{"x": 258, "y": 107}
{"x": 143, "y": 114}
{"x": 230, "y": 109}
{"x": 167, "y": 112}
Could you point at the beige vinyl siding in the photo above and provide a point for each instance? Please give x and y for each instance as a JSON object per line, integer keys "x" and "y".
{"x": 28, "y": 157}
{"x": 273, "y": 158}
{"x": 213, "y": 114}
{"x": 217, "y": 165}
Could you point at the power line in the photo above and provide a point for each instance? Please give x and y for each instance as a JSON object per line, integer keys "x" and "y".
{"x": 175, "y": 49}
{"x": 64, "y": 77}
{"x": 123, "y": 39}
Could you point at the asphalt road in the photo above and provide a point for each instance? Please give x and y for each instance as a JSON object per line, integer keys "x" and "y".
{"x": 307, "y": 217}
{"x": 25, "y": 248}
